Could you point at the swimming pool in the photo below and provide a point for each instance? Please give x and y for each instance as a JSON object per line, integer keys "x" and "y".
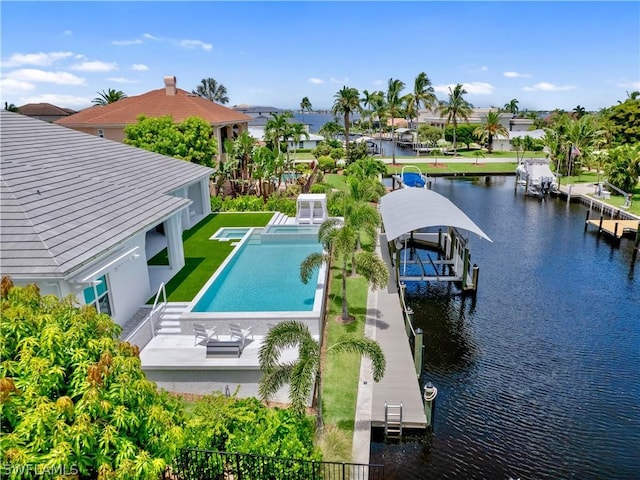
{"x": 230, "y": 233}
{"x": 263, "y": 275}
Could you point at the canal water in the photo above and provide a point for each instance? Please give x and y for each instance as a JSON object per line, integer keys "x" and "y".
{"x": 538, "y": 377}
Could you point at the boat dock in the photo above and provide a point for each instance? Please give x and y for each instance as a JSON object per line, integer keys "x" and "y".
{"x": 615, "y": 228}
{"x": 400, "y": 383}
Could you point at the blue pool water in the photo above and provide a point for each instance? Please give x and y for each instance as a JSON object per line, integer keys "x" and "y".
{"x": 231, "y": 233}
{"x": 264, "y": 276}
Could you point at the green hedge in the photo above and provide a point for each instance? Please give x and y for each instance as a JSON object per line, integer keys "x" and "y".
{"x": 252, "y": 203}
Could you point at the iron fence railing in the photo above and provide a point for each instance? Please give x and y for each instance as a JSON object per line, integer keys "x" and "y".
{"x": 194, "y": 464}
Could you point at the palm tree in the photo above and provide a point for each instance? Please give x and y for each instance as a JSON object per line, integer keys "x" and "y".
{"x": 305, "y": 105}
{"x": 339, "y": 239}
{"x": 456, "y": 107}
{"x": 394, "y": 102}
{"x": 296, "y": 132}
{"x": 330, "y": 129}
{"x": 211, "y": 90}
{"x": 277, "y": 129}
{"x": 579, "y": 111}
{"x": 110, "y": 96}
{"x": 422, "y": 95}
{"x": 307, "y": 368}
{"x": 368, "y": 102}
{"x": 381, "y": 110}
{"x": 347, "y": 101}
{"x": 512, "y": 106}
{"x": 490, "y": 128}
{"x": 10, "y": 107}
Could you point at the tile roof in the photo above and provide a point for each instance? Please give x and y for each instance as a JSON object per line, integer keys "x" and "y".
{"x": 155, "y": 103}
{"x": 67, "y": 196}
{"x": 44, "y": 109}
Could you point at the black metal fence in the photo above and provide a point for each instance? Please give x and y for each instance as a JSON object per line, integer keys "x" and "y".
{"x": 209, "y": 465}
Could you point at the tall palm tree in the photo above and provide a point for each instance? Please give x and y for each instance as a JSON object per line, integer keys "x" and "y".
{"x": 394, "y": 103}
{"x": 381, "y": 111}
{"x": 368, "y": 102}
{"x": 296, "y": 132}
{"x": 10, "y": 107}
{"x": 277, "y": 129}
{"x": 210, "y": 89}
{"x": 512, "y": 106}
{"x": 305, "y": 105}
{"x": 339, "y": 239}
{"x": 422, "y": 96}
{"x": 110, "y": 96}
{"x": 580, "y": 111}
{"x": 347, "y": 101}
{"x": 330, "y": 129}
{"x": 454, "y": 108}
{"x": 306, "y": 370}
{"x": 490, "y": 128}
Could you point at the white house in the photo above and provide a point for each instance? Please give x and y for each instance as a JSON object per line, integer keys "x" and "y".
{"x": 503, "y": 144}
{"x": 82, "y": 215}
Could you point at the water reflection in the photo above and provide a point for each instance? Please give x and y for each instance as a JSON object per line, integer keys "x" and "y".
{"x": 538, "y": 377}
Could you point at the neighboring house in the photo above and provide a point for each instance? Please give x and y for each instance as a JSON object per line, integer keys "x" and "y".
{"x": 502, "y": 144}
{"x": 45, "y": 111}
{"x": 258, "y": 110}
{"x": 478, "y": 116}
{"x": 82, "y": 215}
{"x": 109, "y": 120}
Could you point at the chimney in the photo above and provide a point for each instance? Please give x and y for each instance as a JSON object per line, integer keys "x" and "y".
{"x": 170, "y": 84}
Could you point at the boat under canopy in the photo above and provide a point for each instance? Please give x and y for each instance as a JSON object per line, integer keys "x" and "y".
{"x": 536, "y": 176}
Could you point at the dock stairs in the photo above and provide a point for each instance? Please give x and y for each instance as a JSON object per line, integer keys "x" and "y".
{"x": 169, "y": 321}
{"x": 392, "y": 420}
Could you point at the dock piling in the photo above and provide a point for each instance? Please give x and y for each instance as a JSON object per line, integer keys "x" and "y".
{"x": 417, "y": 351}
{"x": 429, "y": 394}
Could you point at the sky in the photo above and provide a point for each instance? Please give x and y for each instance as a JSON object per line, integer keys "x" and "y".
{"x": 545, "y": 54}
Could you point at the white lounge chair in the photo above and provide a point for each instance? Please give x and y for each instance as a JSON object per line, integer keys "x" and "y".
{"x": 240, "y": 333}
{"x": 205, "y": 333}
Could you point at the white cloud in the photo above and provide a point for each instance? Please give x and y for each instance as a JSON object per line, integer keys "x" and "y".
{"x": 195, "y": 44}
{"x": 472, "y": 88}
{"x": 67, "y": 33}
{"x": 35, "y": 75}
{"x": 121, "y": 80}
{"x": 315, "y": 81}
{"x": 515, "y": 75}
{"x": 378, "y": 82}
{"x": 484, "y": 68}
{"x": 148, "y": 36}
{"x": 139, "y": 67}
{"x": 634, "y": 85}
{"x": 38, "y": 59}
{"x": 67, "y": 101}
{"x": 337, "y": 81}
{"x": 548, "y": 87}
{"x": 12, "y": 86}
{"x": 137, "y": 41}
{"x": 95, "y": 66}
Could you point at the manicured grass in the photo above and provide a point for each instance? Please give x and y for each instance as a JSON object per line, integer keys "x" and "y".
{"x": 335, "y": 180}
{"x": 443, "y": 168}
{"x": 202, "y": 255}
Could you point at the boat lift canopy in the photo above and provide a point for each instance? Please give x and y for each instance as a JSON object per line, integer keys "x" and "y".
{"x": 409, "y": 209}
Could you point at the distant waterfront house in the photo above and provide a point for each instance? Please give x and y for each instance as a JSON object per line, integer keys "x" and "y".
{"x": 45, "y": 111}
{"x": 255, "y": 111}
{"x": 478, "y": 116}
{"x": 502, "y": 144}
{"x": 82, "y": 215}
{"x": 109, "y": 120}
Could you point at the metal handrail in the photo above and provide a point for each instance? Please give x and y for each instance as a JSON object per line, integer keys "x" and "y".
{"x": 160, "y": 308}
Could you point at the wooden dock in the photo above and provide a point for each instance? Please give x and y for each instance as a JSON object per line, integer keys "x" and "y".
{"x": 615, "y": 228}
{"x": 400, "y": 382}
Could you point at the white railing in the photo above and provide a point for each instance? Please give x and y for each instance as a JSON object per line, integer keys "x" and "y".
{"x": 139, "y": 336}
{"x": 158, "y": 308}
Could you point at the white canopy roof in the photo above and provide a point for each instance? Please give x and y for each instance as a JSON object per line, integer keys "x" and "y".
{"x": 409, "y": 209}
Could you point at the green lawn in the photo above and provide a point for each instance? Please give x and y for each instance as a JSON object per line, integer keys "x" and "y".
{"x": 443, "y": 168}
{"x": 202, "y": 255}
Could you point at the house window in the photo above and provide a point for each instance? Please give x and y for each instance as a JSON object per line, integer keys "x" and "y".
{"x": 98, "y": 296}
{"x": 101, "y": 133}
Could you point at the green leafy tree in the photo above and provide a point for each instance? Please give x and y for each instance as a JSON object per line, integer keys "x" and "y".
{"x": 461, "y": 134}
{"x": 511, "y": 106}
{"x": 624, "y": 119}
{"x": 74, "y": 398}
{"x": 330, "y": 130}
{"x": 490, "y": 128}
{"x": 346, "y": 102}
{"x": 456, "y": 107}
{"x": 110, "y": 96}
{"x": 623, "y": 167}
{"x": 394, "y": 103}
{"x": 191, "y": 140}
{"x": 297, "y": 131}
{"x": 277, "y": 129}
{"x": 305, "y": 105}
{"x": 306, "y": 371}
{"x": 430, "y": 135}
{"x": 210, "y": 89}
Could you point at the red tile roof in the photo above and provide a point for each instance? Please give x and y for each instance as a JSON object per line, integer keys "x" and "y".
{"x": 44, "y": 109}
{"x": 155, "y": 103}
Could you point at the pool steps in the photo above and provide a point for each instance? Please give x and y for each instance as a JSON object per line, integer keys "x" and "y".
{"x": 170, "y": 322}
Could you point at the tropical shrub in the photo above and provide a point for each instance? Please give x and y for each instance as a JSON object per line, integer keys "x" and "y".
{"x": 623, "y": 167}
{"x": 279, "y": 203}
{"x": 320, "y": 188}
{"x": 74, "y": 399}
{"x": 326, "y": 164}
{"x": 216, "y": 204}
